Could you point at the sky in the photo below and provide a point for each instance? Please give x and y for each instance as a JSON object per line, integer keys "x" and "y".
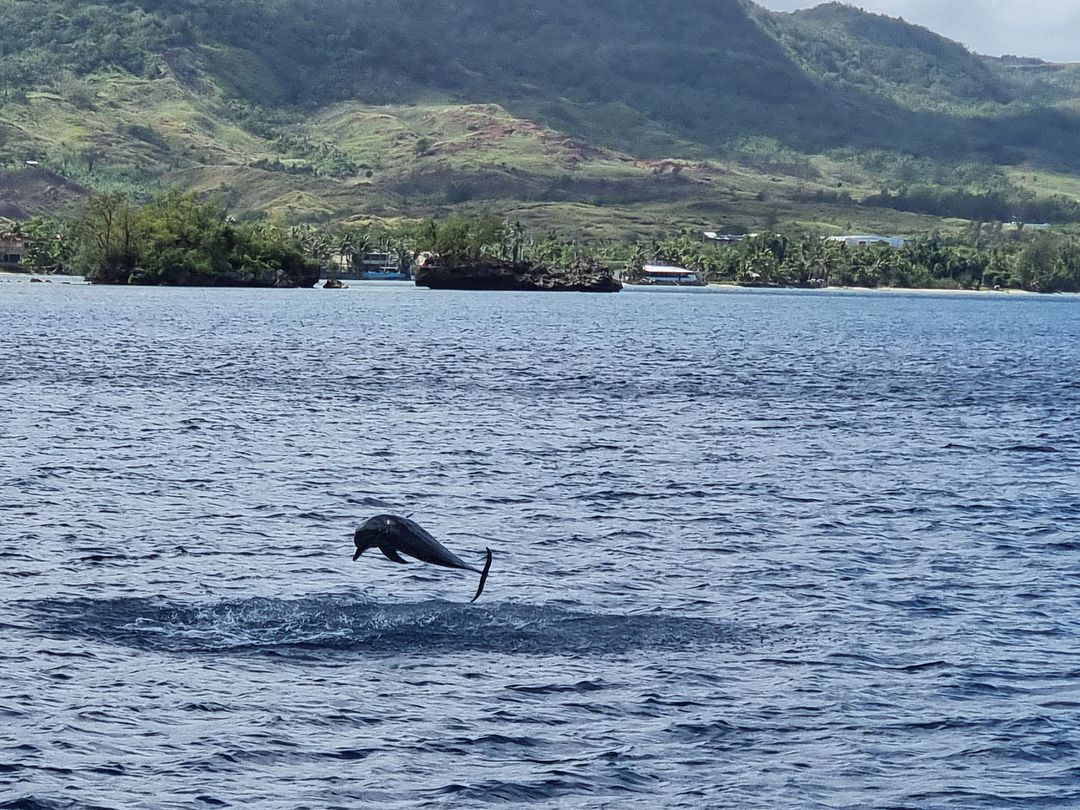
{"x": 1047, "y": 29}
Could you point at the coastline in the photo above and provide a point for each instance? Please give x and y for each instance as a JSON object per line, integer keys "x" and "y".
{"x": 897, "y": 290}
{"x": 10, "y": 276}
{"x": 939, "y": 291}
{"x": 730, "y": 287}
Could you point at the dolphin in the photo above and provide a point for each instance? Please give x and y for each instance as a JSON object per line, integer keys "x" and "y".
{"x": 394, "y": 536}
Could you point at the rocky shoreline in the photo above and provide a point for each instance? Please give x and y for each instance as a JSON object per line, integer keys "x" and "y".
{"x": 295, "y": 275}
{"x": 581, "y": 275}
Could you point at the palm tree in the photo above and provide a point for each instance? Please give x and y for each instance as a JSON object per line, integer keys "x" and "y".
{"x": 635, "y": 263}
{"x": 403, "y": 256}
{"x": 759, "y": 265}
{"x": 352, "y": 245}
{"x": 12, "y": 231}
{"x": 516, "y": 232}
{"x": 49, "y": 249}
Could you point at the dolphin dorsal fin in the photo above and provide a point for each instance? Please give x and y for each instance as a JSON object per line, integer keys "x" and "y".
{"x": 391, "y": 554}
{"x": 483, "y": 576}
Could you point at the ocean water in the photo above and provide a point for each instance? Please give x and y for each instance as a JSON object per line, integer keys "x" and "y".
{"x": 752, "y": 549}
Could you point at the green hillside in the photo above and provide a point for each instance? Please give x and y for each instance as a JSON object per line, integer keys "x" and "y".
{"x": 888, "y": 58}
{"x": 607, "y": 118}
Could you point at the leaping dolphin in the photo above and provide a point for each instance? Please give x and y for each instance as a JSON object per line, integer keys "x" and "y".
{"x": 394, "y": 536}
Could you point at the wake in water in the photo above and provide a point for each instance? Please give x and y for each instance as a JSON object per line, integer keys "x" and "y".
{"x": 336, "y": 622}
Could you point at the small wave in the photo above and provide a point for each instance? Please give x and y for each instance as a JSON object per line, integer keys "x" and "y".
{"x": 1031, "y": 448}
{"x": 347, "y": 623}
{"x": 376, "y": 503}
{"x": 557, "y": 784}
{"x": 553, "y": 688}
{"x": 34, "y": 803}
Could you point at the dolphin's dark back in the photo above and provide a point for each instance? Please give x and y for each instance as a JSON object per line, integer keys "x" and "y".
{"x": 413, "y": 539}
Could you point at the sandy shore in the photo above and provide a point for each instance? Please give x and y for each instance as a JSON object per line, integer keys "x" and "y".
{"x": 893, "y": 290}
{"x": 932, "y": 291}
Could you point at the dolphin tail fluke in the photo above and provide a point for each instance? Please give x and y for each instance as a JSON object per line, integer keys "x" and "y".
{"x": 483, "y": 576}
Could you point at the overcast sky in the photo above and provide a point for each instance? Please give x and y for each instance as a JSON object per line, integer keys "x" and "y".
{"x": 1049, "y": 29}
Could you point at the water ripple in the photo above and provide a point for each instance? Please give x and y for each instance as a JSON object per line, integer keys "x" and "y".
{"x": 753, "y": 549}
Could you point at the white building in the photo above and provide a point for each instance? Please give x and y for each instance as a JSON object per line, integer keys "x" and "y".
{"x": 727, "y": 238}
{"x": 870, "y": 239}
{"x": 665, "y": 274}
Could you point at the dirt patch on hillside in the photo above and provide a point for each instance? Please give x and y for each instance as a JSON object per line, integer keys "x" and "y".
{"x": 27, "y": 192}
{"x": 485, "y": 128}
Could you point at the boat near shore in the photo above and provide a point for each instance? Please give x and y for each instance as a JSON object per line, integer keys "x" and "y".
{"x": 379, "y": 265}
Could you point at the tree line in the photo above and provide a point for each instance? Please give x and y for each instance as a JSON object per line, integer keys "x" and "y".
{"x": 174, "y": 239}
{"x": 1039, "y": 261}
{"x": 179, "y": 239}
{"x": 1001, "y": 204}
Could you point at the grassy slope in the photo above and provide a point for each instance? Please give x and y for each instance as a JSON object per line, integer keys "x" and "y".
{"x": 495, "y": 160}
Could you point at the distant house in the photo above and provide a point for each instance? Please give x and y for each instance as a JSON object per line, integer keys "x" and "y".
{"x": 870, "y": 239}
{"x": 12, "y": 250}
{"x": 726, "y": 238}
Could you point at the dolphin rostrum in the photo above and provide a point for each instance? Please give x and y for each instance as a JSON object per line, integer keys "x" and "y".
{"x": 394, "y": 536}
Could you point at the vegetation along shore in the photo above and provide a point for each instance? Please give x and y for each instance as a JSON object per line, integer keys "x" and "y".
{"x": 180, "y": 239}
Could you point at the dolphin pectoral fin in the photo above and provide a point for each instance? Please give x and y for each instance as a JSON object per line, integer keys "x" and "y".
{"x": 483, "y": 576}
{"x": 356, "y": 556}
{"x": 391, "y": 554}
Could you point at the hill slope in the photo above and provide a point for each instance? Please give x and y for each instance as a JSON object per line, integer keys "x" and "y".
{"x": 322, "y": 109}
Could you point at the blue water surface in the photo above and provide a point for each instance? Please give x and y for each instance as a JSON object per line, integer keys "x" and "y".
{"x": 752, "y": 549}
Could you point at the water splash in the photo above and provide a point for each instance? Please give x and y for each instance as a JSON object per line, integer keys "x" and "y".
{"x": 336, "y": 622}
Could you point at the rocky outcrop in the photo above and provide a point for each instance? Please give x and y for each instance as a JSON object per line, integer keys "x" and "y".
{"x": 294, "y": 273}
{"x": 298, "y": 274}
{"x": 582, "y": 275}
